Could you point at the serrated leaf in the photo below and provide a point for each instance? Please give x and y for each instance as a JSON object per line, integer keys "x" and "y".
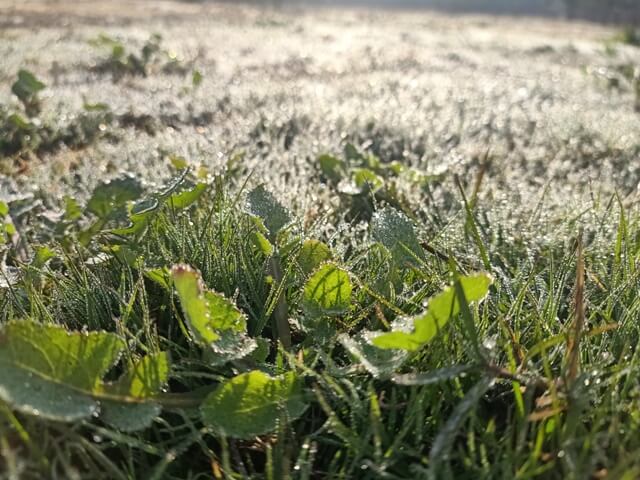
{"x": 51, "y": 372}
{"x": 262, "y": 204}
{"x": 251, "y": 404}
{"x": 440, "y": 309}
{"x": 230, "y": 346}
{"x": 395, "y": 231}
{"x": 194, "y": 304}
{"x": 327, "y": 292}
{"x": 378, "y": 362}
{"x": 213, "y": 320}
{"x": 312, "y": 254}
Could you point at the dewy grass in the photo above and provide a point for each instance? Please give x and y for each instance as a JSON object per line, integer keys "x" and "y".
{"x": 455, "y": 296}
{"x": 504, "y": 389}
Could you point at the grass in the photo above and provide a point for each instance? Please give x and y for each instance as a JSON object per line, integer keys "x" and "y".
{"x": 242, "y": 311}
{"x": 538, "y": 381}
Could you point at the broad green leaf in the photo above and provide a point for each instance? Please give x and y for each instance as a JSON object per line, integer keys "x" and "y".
{"x": 312, "y": 254}
{"x": 378, "y": 362}
{"x": 366, "y": 179}
{"x": 161, "y": 276}
{"x": 395, "y": 231}
{"x": 51, "y": 372}
{"x": 143, "y": 380}
{"x": 327, "y": 292}
{"x": 26, "y": 86}
{"x": 20, "y": 122}
{"x": 72, "y": 210}
{"x": 187, "y": 197}
{"x": 195, "y": 305}
{"x": 42, "y": 256}
{"x": 331, "y": 167}
{"x": 129, "y": 417}
{"x": 230, "y": 346}
{"x": 262, "y": 204}
{"x": 143, "y": 211}
{"x": 252, "y": 404}
{"x": 178, "y": 162}
{"x": 263, "y": 244}
{"x": 214, "y": 321}
{"x": 125, "y": 254}
{"x": 140, "y": 214}
{"x": 109, "y": 197}
{"x": 440, "y": 309}
{"x": 4, "y": 209}
{"x": 223, "y": 314}
{"x": 352, "y": 153}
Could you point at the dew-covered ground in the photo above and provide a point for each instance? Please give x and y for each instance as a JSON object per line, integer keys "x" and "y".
{"x": 535, "y": 97}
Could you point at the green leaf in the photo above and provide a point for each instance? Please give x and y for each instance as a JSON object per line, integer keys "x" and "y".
{"x": 178, "y": 162}
{"x": 72, "y": 210}
{"x": 42, "y": 256}
{"x": 440, "y": 309}
{"x": 50, "y": 372}
{"x": 395, "y": 231}
{"x": 195, "y": 305}
{"x": 352, "y": 153}
{"x": 196, "y": 78}
{"x": 252, "y": 404}
{"x": 214, "y": 321}
{"x": 95, "y": 107}
{"x": 187, "y": 197}
{"x": 312, "y": 254}
{"x": 109, "y": 197}
{"x": 327, "y": 292}
{"x": 140, "y": 214}
{"x": 331, "y": 167}
{"x": 26, "y": 86}
{"x": 366, "y": 179}
{"x": 143, "y": 380}
{"x": 262, "y": 243}
{"x": 378, "y": 362}
{"x": 161, "y": 276}
{"x": 20, "y": 122}
{"x": 262, "y": 204}
{"x": 4, "y": 209}
{"x": 129, "y": 417}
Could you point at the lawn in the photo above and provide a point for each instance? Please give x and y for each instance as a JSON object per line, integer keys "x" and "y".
{"x": 316, "y": 243}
